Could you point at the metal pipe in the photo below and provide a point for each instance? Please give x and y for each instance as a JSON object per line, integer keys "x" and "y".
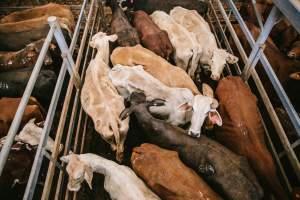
{"x": 276, "y": 122}
{"x": 258, "y": 15}
{"x": 74, "y": 113}
{"x": 21, "y": 108}
{"x": 273, "y": 17}
{"x": 61, "y": 125}
{"x": 53, "y": 22}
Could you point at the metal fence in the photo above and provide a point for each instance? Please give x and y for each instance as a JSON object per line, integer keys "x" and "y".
{"x": 72, "y": 126}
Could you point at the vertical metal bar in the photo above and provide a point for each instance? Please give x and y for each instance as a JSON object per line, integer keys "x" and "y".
{"x": 273, "y": 17}
{"x": 53, "y": 22}
{"x": 74, "y": 111}
{"x": 258, "y": 15}
{"x": 21, "y": 108}
{"x": 45, "y": 133}
{"x": 61, "y": 125}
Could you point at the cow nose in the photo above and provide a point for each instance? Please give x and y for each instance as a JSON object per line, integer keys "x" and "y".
{"x": 291, "y": 54}
{"x": 194, "y": 134}
{"x": 215, "y": 77}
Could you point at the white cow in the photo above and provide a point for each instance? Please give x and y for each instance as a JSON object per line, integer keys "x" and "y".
{"x": 100, "y": 99}
{"x": 180, "y": 106}
{"x": 31, "y": 134}
{"x": 120, "y": 181}
{"x": 178, "y": 101}
{"x": 187, "y": 52}
{"x": 212, "y": 56}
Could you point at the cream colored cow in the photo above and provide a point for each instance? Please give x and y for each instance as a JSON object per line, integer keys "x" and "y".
{"x": 155, "y": 65}
{"x": 120, "y": 181}
{"x": 211, "y": 55}
{"x": 187, "y": 53}
{"x": 100, "y": 99}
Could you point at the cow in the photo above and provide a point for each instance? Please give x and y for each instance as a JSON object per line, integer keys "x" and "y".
{"x": 26, "y": 57}
{"x": 127, "y": 35}
{"x": 120, "y": 181}
{"x": 243, "y": 132}
{"x": 20, "y": 159}
{"x": 229, "y": 173}
{"x": 152, "y": 37}
{"x": 8, "y": 110}
{"x": 187, "y": 52}
{"x": 149, "y": 6}
{"x": 22, "y": 28}
{"x": 211, "y": 54}
{"x": 13, "y": 84}
{"x": 180, "y": 105}
{"x": 294, "y": 51}
{"x": 155, "y": 65}
{"x": 49, "y": 9}
{"x": 248, "y": 14}
{"x": 100, "y": 99}
{"x": 159, "y": 168}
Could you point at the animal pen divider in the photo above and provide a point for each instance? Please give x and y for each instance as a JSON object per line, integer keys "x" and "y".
{"x": 71, "y": 129}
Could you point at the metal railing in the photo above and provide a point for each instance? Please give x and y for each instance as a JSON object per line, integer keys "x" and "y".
{"x": 68, "y": 65}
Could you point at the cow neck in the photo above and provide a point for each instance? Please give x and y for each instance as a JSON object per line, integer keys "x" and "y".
{"x": 98, "y": 164}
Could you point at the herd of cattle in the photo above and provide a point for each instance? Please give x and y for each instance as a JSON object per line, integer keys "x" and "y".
{"x": 151, "y": 74}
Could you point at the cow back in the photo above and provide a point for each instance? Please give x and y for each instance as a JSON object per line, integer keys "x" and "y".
{"x": 159, "y": 168}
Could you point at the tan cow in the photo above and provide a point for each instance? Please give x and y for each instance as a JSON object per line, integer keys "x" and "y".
{"x": 8, "y": 109}
{"x": 155, "y": 65}
{"x": 100, "y": 99}
{"x": 167, "y": 176}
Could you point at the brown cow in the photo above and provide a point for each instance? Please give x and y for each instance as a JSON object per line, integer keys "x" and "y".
{"x": 127, "y": 35}
{"x": 22, "y": 28}
{"x": 242, "y": 131}
{"x": 248, "y": 13}
{"x": 53, "y": 9}
{"x": 285, "y": 68}
{"x": 167, "y": 176}
{"x": 295, "y": 50}
{"x": 9, "y": 108}
{"x": 152, "y": 36}
{"x": 26, "y": 57}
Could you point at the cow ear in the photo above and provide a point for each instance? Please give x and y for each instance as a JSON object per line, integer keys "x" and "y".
{"x": 231, "y": 59}
{"x": 88, "y": 175}
{"x": 295, "y": 76}
{"x": 185, "y": 106}
{"x": 125, "y": 113}
{"x": 215, "y": 117}
{"x": 207, "y": 90}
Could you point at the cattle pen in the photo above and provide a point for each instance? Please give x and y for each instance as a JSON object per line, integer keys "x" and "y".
{"x": 74, "y": 129}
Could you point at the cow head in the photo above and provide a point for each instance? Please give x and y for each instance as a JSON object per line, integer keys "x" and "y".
{"x": 78, "y": 171}
{"x": 101, "y": 42}
{"x": 218, "y": 60}
{"x": 204, "y": 106}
